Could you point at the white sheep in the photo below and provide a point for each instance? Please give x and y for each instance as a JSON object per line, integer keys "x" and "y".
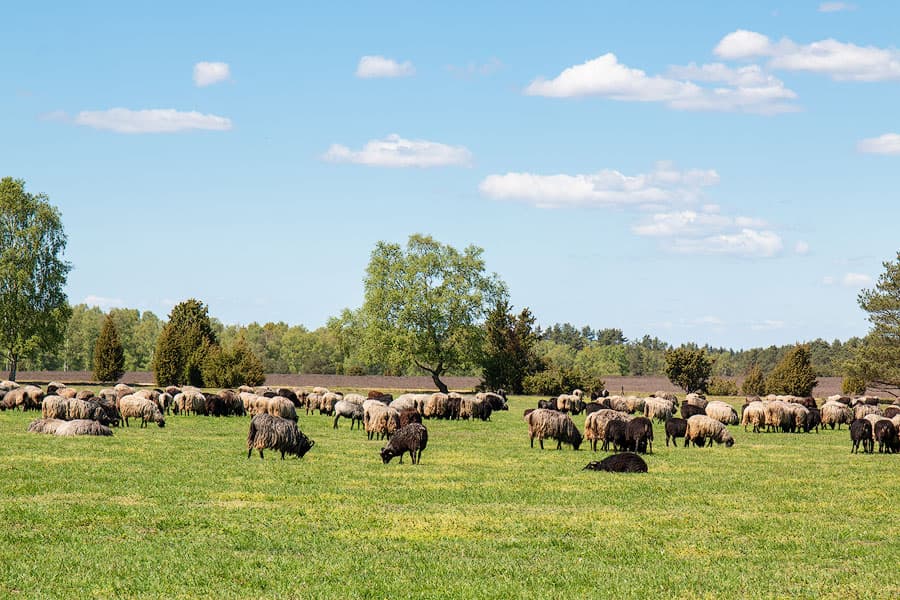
{"x": 659, "y": 409}
{"x": 146, "y": 410}
{"x": 701, "y": 428}
{"x": 722, "y": 412}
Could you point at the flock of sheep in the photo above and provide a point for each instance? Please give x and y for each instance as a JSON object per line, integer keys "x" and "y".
{"x": 274, "y": 412}
{"x": 625, "y": 424}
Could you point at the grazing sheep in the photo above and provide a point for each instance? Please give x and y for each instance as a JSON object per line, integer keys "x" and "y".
{"x": 547, "y": 404}
{"x": 412, "y": 438}
{"x": 799, "y": 413}
{"x": 626, "y": 462}
{"x": 701, "y": 428}
{"x": 636, "y": 405}
{"x": 234, "y": 405}
{"x": 436, "y": 406}
{"x": 67, "y": 392}
{"x": 639, "y": 435}
{"x": 7, "y": 385}
{"x": 27, "y": 397}
{"x": 349, "y": 410}
{"x": 754, "y": 414}
{"x": 544, "y": 423}
{"x": 689, "y": 410}
{"x": 69, "y": 428}
{"x": 862, "y": 409}
{"x": 71, "y": 409}
{"x": 779, "y": 415}
{"x": 123, "y": 390}
{"x": 596, "y": 424}
{"x": 696, "y": 399}
{"x": 615, "y": 435}
{"x": 861, "y": 432}
{"x": 885, "y": 434}
{"x": 497, "y": 401}
{"x": 354, "y": 398}
{"x": 722, "y": 412}
{"x": 385, "y": 398}
{"x": 891, "y": 411}
{"x": 279, "y": 406}
{"x": 836, "y": 413}
{"x": 135, "y": 407}
{"x": 473, "y": 408}
{"x": 839, "y": 398}
{"x": 313, "y": 401}
{"x": 326, "y": 404}
{"x": 813, "y": 420}
{"x": 675, "y": 428}
{"x": 290, "y": 395}
{"x": 592, "y": 407}
{"x": 54, "y": 387}
{"x": 215, "y": 405}
{"x": 455, "y": 406}
{"x": 274, "y": 433}
{"x": 569, "y": 403}
{"x": 320, "y": 390}
{"x": 379, "y": 420}
{"x": 658, "y": 408}
{"x": 665, "y": 396}
{"x": 409, "y": 416}
{"x": 618, "y": 403}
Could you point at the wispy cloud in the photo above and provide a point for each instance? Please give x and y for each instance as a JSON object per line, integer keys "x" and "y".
{"x": 208, "y": 73}
{"x": 394, "y": 151}
{"x": 801, "y": 247}
{"x": 662, "y": 186}
{"x": 473, "y": 69}
{"x": 848, "y": 280}
{"x": 744, "y": 90}
{"x": 767, "y": 325}
{"x": 830, "y": 7}
{"x": 103, "y": 302}
{"x": 839, "y": 60}
{"x": 159, "y": 120}
{"x": 372, "y": 67}
{"x": 889, "y": 143}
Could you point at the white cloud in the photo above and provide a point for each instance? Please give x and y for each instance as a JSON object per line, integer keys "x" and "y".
{"x": 767, "y": 325}
{"x": 123, "y": 120}
{"x": 748, "y": 89}
{"x": 855, "y": 279}
{"x": 608, "y": 187}
{"x": 801, "y": 247}
{"x": 828, "y": 7}
{"x": 746, "y": 242}
{"x": 103, "y": 302}
{"x": 889, "y": 143}
{"x": 709, "y": 320}
{"x": 476, "y": 69}
{"x": 394, "y": 151}
{"x": 841, "y": 61}
{"x": 371, "y": 67}
{"x": 208, "y": 73}
{"x": 692, "y": 223}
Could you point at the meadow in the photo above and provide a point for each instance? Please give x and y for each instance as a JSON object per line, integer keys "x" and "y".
{"x": 182, "y": 512}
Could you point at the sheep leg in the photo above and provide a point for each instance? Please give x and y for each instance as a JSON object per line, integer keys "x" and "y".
{"x": 541, "y": 440}
{"x": 532, "y": 441}
{"x": 249, "y": 451}
{"x": 559, "y": 444}
{"x": 336, "y": 420}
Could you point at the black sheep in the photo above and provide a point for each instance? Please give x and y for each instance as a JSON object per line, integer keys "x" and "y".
{"x": 861, "y": 431}
{"x": 675, "y": 428}
{"x": 626, "y": 462}
{"x": 813, "y": 420}
{"x": 615, "y": 434}
{"x": 215, "y": 405}
{"x": 891, "y": 411}
{"x": 290, "y": 395}
{"x": 886, "y": 435}
{"x": 639, "y": 435}
{"x": 548, "y": 404}
{"x": 689, "y": 410}
{"x": 413, "y": 439}
{"x": 592, "y": 407}
{"x": 408, "y": 416}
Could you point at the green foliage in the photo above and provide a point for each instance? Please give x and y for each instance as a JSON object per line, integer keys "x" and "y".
{"x": 231, "y": 367}
{"x": 720, "y": 386}
{"x": 183, "y": 344}
{"x": 853, "y": 385}
{"x": 794, "y": 375}
{"x": 33, "y": 304}
{"x": 877, "y": 360}
{"x": 561, "y": 380}
{"x": 755, "y": 382}
{"x": 509, "y": 349}
{"x": 688, "y": 368}
{"x": 424, "y": 306}
{"x": 109, "y": 356}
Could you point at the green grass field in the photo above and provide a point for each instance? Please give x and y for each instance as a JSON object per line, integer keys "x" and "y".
{"x": 181, "y": 512}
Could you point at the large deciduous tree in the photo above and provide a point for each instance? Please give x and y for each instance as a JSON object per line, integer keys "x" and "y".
{"x": 509, "y": 349}
{"x": 425, "y": 305}
{"x": 877, "y": 360}
{"x": 688, "y": 368}
{"x": 33, "y": 305}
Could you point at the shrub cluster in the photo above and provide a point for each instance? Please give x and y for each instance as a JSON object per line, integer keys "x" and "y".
{"x": 720, "y": 386}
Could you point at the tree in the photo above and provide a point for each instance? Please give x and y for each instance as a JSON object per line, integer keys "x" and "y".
{"x": 232, "y": 367}
{"x": 424, "y": 305}
{"x": 509, "y": 348}
{"x": 688, "y": 368}
{"x": 109, "y": 355}
{"x": 794, "y": 375}
{"x": 183, "y": 344}
{"x": 34, "y": 309}
{"x": 877, "y": 360}
{"x": 755, "y": 382}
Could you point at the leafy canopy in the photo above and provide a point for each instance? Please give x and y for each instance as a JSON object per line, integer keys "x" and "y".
{"x": 509, "y": 349}
{"x": 688, "y": 368}
{"x": 183, "y": 344}
{"x": 109, "y": 355}
{"x": 794, "y": 375}
{"x": 424, "y": 305}
{"x": 33, "y": 304}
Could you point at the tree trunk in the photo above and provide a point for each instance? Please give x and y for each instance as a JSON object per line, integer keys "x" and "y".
{"x": 435, "y": 375}
{"x": 13, "y": 367}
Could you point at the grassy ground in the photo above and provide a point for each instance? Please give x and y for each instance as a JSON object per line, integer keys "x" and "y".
{"x": 181, "y": 512}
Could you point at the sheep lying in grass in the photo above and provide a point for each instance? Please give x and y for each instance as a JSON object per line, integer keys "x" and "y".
{"x": 722, "y": 412}
{"x": 146, "y": 410}
{"x": 543, "y": 423}
{"x": 349, "y": 410}
{"x": 69, "y": 428}
{"x": 861, "y": 433}
{"x": 754, "y": 414}
{"x": 412, "y": 438}
{"x": 701, "y": 428}
{"x": 274, "y": 433}
{"x": 836, "y": 413}
{"x": 596, "y": 424}
{"x": 626, "y": 462}
{"x": 675, "y": 428}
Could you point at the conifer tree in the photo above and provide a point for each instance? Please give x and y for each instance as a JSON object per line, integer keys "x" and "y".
{"x": 109, "y": 355}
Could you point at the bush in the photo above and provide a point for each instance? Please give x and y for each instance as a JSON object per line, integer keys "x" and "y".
{"x": 109, "y": 356}
{"x": 720, "y": 386}
{"x": 755, "y": 382}
{"x": 853, "y": 386}
{"x": 554, "y": 381}
{"x": 794, "y": 375}
{"x": 232, "y": 368}
{"x": 688, "y": 368}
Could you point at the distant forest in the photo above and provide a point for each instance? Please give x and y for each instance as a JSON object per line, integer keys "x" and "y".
{"x": 331, "y": 349}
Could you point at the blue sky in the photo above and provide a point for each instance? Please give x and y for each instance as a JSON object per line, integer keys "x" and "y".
{"x": 705, "y": 171}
